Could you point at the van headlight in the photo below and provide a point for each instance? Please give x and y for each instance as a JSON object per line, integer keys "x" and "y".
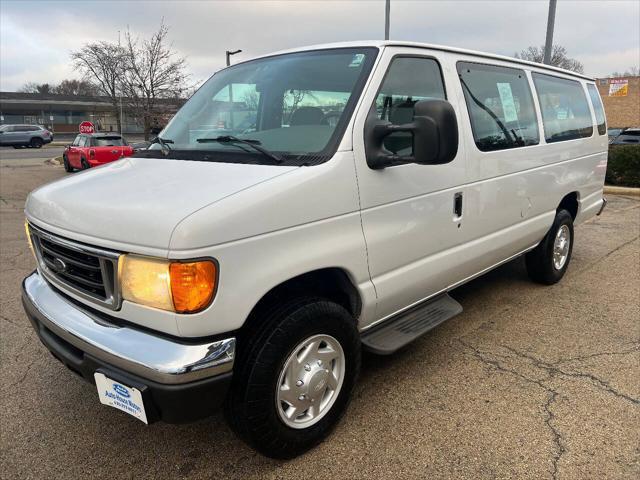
{"x": 176, "y": 286}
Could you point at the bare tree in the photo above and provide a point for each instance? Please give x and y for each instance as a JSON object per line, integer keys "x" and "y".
{"x": 33, "y": 87}
{"x": 76, "y": 87}
{"x": 103, "y": 63}
{"x": 559, "y": 58}
{"x": 153, "y": 73}
{"x": 629, "y": 72}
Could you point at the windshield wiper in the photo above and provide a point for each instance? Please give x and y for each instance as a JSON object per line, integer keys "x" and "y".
{"x": 166, "y": 148}
{"x": 255, "y": 144}
{"x": 493, "y": 116}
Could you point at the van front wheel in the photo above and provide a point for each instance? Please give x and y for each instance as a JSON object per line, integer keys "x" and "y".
{"x": 294, "y": 378}
{"x": 548, "y": 262}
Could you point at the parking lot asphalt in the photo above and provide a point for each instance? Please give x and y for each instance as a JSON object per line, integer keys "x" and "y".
{"x": 528, "y": 382}
{"x": 21, "y": 157}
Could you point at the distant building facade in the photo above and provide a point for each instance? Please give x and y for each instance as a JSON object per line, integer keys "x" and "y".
{"x": 621, "y": 98}
{"x": 63, "y": 113}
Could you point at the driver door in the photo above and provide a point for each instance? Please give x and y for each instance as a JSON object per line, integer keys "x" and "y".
{"x": 412, "y": 215}
{"x": 73, "y": 154}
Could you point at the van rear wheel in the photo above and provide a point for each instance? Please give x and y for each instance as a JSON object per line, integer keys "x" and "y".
{"x": 293, "y": 381}
{"x": 548, "y": 262}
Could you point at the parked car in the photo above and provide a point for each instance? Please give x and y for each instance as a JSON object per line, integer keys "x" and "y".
{"x": 627, "y": 136}
{"x": 613, "y": 133}
{"x": 21, "y": 136}
{"x": 92, "y": 149}
{"x": 251, "y": 270}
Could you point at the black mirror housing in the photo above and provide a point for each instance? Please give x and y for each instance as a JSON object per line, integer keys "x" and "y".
{"x": 435, "y": 136}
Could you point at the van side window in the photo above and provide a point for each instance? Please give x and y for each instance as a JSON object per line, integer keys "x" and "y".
{"x": 500, "y": 106}
{"x": 408, "y": 80}
{"x": 596, "y": 101}
{"x": 565, "y": 111}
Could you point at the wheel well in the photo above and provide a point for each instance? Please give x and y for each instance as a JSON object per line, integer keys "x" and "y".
{"x": 330, "y": 283}
{"x": 570, "y": 204}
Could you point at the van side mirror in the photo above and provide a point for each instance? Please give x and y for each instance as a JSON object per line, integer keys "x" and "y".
{"x": 435, "y": 136}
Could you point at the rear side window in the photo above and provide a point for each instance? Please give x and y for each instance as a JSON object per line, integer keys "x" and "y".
{"x": 596, "y": 101}
{"x": 565, "y": 111}
{"x": 108, "y": 141}
{"x": 408, "y": 80}
{"x": 500, "y": 106}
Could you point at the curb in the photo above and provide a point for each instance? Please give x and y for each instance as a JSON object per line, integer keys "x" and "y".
{"x": 634, "y": 192}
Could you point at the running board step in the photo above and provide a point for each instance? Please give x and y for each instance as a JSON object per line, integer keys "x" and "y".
{"x": 398, "y": 331}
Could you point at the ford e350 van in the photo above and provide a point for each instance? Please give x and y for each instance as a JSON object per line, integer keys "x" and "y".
{"x": 299, "y": 208}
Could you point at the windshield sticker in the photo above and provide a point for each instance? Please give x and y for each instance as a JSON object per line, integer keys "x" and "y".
{"x": 508, "y": 105}
{"x": 357, "y": 59}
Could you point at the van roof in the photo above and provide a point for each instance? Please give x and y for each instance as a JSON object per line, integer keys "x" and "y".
{"x": 444, "y": 48}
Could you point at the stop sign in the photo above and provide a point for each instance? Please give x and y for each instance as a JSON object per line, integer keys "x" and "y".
{"x": 87, "y": 127}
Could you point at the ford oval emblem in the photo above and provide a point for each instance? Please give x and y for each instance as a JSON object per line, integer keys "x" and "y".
{"x": 59, "y": 265}
{"x": 120, "y": 390}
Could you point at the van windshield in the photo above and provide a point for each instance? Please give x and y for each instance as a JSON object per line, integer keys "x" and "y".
{"x": 295, "y": 106}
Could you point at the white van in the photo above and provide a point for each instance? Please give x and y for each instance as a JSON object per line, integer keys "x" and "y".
{"x": 299, "y": 208}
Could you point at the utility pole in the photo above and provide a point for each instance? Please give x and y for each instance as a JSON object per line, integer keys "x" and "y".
{"x": 551, "y": 19}
{"x": 121, "y": 116}
{"x": 229, "y": 55}
{"x": 387, "y": 13}
{"x": 231, "y": 122}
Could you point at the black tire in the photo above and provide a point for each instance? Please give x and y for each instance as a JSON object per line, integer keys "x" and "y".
{"x": 85, "y": 164}
{"x": 251, "y": 407}
{"x": 67, "y": 166}
{"x": 17, "y": 146}
{"x": 36, "y": 142}
{"x": 540, "y": 260}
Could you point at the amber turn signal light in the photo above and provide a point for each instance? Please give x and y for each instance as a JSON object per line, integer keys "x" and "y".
{"x": 192, "y": 285}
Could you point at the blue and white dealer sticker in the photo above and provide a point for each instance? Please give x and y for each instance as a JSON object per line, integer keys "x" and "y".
{"x": 117, "y": 395}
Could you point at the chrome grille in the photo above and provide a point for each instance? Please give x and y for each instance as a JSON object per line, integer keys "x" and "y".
{"x": 89, "y": 272}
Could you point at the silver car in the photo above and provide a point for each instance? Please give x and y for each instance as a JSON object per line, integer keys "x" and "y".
{"x": 17, "y": 136}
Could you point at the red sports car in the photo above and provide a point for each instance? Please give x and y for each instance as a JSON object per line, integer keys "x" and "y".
{"x": 92, "y": 149}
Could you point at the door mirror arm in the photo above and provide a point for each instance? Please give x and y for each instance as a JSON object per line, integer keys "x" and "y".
{"x": 377, "y": 130}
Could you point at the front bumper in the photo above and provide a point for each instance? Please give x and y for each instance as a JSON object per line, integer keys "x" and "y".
{"x": 180, "y": 380}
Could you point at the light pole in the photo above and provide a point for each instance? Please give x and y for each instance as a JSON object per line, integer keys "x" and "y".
{"x": 551, "y": 19}
{"x": 121, "y": 116}
{"x": 387, "y": 13}
{"x": 229, "y": 53}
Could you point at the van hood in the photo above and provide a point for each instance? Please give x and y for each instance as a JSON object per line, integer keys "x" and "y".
{"x": 138, "y": 201}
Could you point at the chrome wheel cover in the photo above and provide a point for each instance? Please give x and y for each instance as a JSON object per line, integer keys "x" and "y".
{"x": 561, "y": 246}
{"x": 310, "y": 381}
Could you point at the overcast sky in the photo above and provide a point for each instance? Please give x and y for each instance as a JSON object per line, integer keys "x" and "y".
{"x": 37, "y": 36}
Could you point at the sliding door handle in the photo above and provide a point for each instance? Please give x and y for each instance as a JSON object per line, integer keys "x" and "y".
{"x": 457, "y": 206}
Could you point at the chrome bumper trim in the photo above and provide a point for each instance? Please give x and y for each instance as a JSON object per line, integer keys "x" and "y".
{"x": 135, "y": 351}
